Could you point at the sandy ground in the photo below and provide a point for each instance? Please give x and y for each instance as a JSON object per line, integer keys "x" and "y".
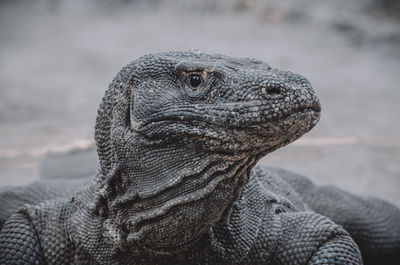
{"x": 57, "y": 58}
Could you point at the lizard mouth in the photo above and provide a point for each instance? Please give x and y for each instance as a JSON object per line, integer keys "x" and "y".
{"x": 256, "y": 116}
{"x": 232, "y": 115}
{"x": 312, "y": 114}
{"x": 297, "y": 114}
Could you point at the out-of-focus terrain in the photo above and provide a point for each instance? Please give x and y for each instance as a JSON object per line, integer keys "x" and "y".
{"x": 57, "y": 58}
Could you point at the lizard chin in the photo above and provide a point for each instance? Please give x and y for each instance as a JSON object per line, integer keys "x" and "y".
{"x": 258, "y": 138}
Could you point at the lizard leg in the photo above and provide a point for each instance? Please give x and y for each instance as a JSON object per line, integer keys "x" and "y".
{"x": 372, "y": 223}
{"x": 313, "y": 239}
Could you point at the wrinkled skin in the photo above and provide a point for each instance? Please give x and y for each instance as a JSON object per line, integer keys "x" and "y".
{"x": 178, "y": 137}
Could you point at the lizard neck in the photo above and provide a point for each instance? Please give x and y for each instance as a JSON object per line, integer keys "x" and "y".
{"x": 166, "y": 203}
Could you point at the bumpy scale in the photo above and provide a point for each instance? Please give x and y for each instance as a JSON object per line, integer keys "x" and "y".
{"x": 178, "y": 136}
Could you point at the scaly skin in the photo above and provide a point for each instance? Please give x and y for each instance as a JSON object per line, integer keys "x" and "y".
{"x": 178, "y": 136}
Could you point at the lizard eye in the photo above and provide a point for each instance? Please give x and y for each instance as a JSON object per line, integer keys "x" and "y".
{"x": 195, "y": 80}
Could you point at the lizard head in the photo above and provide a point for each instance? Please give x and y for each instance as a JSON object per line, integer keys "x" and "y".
{"x": 178, "y": 133}
{"x": 220, "y": 104}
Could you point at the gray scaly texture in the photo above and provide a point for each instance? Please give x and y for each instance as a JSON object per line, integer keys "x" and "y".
{"x": 178, "y": 137}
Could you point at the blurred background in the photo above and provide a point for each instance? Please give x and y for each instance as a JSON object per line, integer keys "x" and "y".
{"x": 58, "y": 56}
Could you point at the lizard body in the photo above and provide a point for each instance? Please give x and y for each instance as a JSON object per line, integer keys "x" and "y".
{"x": 178, "y": 136}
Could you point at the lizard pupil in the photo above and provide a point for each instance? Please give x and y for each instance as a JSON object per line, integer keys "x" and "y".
{"x": 195, "y": 80}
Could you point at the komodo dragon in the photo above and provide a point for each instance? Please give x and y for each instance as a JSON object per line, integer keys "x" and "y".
{"x": 178, "y": 137}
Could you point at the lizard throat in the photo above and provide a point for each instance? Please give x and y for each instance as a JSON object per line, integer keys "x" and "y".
{"x": 183, "y": 210}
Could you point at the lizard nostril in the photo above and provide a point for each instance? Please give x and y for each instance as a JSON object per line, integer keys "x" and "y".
{"x": 273, "y": 90}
